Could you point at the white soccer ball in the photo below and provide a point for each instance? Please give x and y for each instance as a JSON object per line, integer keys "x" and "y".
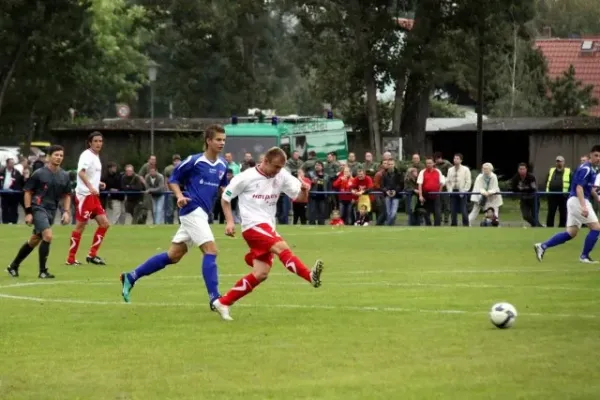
{"x": 503, "y": 315}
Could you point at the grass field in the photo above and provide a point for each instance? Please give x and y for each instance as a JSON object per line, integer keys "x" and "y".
{"x": 402, "y": 314}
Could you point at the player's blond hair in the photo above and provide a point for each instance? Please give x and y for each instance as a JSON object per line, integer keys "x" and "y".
{"x": 274, "y": 153}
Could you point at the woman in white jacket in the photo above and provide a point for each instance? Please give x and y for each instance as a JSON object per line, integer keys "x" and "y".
{"x": 486, "y": 185}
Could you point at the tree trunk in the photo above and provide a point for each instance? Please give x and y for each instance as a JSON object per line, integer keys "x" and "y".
{"x": 7, "y": 78}
{"x": 415, "y": 113}
{"x": 372, "y": 112}
{"x": 398, "y": 102}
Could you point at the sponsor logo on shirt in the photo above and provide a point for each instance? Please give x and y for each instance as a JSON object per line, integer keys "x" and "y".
{"x": 265, "y": 196}
{"x": 208, "y": 183}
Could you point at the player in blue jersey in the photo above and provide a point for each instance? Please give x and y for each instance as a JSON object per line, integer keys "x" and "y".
{"x": 203, "y": 177}
{"x": 579, "y": 210}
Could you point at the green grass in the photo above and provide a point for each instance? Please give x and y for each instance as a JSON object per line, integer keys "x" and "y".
{"x": 402, "y": 314}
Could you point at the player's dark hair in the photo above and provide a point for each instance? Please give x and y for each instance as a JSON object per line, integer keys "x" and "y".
{"x": 229, "y": 171}
{"x": 595, "y": 149}
{"x": 274, "y": 153}
{"x": 54, "y": 148}
{"x": 211, "y": 132}
{"x": 525, "y": 165}
{"x": 91, "y": 137}
{"x": 333, "y": 153}
{"x": 459, "y": 155}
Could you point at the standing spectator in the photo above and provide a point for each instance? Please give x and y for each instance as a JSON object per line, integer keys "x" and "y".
{"x": 459, "y": 180}
{"x": 309, "y": 165}
{"x": 352, "y": 163}
{"x": 247, "y": 162}
{"x": 525, "y": 185}
{"x": 443, "y": 165}
{"x": 430, "y": 181}
{"x": 411, "y": 190}
{"x": 169, "y": 198}
{"x": 146, "y": 167}
{"x": 361, "y": 185}
{"x": 486, "y": 185}
{"x": 294, "y": 163}
{"x": 558, "y": 180}
{"x": 23, "y": 165}
{"x": 134, "y": 203}
{"x": 232, "y": 165}
{"x": 299, "y": 207}
{"x": 317, "y": 204}
{"x": 39, "y": 162}
{"x": 11, "y": 182}
{"x": 112, "y": 180}
{"x": 332, "y": 168}
{"x": 343, "y": 184}
{"x": 155, "y": 187}
{"x": 392, "y": 186}
{"x": 416, "y": 162}
{"x": 379, "y": 200}
{"x": 370, "y": 166}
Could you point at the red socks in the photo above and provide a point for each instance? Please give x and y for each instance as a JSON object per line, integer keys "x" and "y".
{"x": 241, "y": 288}
{"x": 293, "y": 264}
{"x": 97, "y": 241}
{"x": 75, "y": 239}
{"x": 249, "y": 282}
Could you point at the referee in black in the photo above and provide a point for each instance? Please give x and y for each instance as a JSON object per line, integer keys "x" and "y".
{"x": 43, "y": 191}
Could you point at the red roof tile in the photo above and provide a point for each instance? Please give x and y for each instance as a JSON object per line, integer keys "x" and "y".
{"x": 561, "y": 53}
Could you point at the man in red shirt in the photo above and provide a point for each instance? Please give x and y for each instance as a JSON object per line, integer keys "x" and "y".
{"x": 430, "y": 181}
{"x": 362, "y": 184}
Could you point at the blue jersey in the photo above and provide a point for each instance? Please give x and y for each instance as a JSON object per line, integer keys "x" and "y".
{"x": 585, "y": 176}
{"x": 201, "y": 179}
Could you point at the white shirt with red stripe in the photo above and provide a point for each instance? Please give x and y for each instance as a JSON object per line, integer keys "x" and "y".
{"x": 90, "y": 162}
{"x": 258, "y": 194}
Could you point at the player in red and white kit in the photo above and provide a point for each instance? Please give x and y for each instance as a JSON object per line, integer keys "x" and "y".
{"x": 87, "y": 201}
{"x": 258, "y": 190}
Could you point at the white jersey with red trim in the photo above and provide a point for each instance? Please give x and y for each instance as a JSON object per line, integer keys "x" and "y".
{"x": 258, "y": 194}
{"x": 90, "y": 162}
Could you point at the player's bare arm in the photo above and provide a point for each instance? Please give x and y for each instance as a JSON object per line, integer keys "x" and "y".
{"x": 86, "y": 182}
{"x": 27, "y": 205}
{"x": 181, "y": 199}
{"x": 303, "y": 195}
{"x": 66, "y": 217}
{"x": 229, "y": 221}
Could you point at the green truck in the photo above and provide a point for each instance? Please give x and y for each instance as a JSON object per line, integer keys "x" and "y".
{"x": 255, "y": 135}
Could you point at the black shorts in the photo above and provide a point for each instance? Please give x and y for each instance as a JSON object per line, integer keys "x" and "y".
{"x": 42, "y": 220}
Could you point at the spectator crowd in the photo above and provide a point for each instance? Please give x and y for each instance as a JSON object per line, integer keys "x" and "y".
{"x": 342, "y": 193}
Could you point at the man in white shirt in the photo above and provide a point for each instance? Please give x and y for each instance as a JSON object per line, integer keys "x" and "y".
{"x": 258, "y": 190}
{"x": 459, "y": 180}
{"x": 87, "y": 201}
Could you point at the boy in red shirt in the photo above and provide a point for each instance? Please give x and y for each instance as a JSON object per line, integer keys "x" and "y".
{"x": 343, "y": 184}
{"x": 360, "y": 186}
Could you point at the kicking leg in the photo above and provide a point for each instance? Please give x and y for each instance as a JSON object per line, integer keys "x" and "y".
{"x": 150, "y": 266}
{"x": 296, "y": 266}
{"x": 260, "y": 271}
{"x": 24, "y": 252}
{"x": 556, "y": 240}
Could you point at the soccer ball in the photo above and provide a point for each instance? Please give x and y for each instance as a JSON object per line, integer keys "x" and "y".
{"x": 503, "y": 315}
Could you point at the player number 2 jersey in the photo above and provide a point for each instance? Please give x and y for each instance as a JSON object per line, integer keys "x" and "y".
{"x": 89, "y": 161}
{"x": 258, "y": 194}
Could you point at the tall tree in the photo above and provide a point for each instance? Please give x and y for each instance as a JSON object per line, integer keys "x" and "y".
{"x": 570, "y": 97}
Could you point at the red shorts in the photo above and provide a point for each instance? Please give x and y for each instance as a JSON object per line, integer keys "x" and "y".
{"x": 260, "y": 239}
{"x": 87, "y": 207}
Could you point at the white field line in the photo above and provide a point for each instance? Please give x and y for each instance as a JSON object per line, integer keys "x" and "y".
{"x": 285, "y": 306}
{"x": 194, "y": 280}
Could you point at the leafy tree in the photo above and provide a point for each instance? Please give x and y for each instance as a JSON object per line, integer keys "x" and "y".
{"x": 568, "y": 17}
{"x": 569, "y": 97}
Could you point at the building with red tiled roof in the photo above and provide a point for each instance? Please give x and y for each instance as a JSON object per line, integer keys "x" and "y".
{"x": 582, "y": 53}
